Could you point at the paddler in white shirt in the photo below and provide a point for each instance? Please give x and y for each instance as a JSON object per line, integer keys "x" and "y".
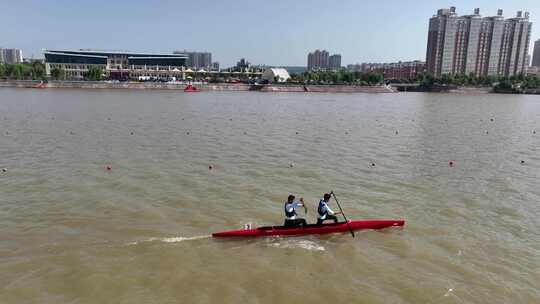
{"x": 324, "y": 212}
{"x": 291, "y": 218}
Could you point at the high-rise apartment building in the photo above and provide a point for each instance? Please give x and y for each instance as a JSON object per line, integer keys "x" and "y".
{"x": 536, "y": 54}
{"x": 321, "y": 60}
{"x": 197, "y": 60}
{"x": 318, "y": 60}
{"x": 478, "y": 45}
{"x": 11, "y": 56}
{"x": 334, "y": 62}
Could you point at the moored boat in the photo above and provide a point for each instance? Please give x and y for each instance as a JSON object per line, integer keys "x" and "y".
{"x": 190, "y": 88}
{"x": 311, "y": 229}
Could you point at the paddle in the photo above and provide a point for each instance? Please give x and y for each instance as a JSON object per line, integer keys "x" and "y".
{"x": 305, "y": 208}
{"x": 350, "y": 229}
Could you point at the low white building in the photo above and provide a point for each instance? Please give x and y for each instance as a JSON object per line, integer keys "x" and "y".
{"x": 276, "y": 75}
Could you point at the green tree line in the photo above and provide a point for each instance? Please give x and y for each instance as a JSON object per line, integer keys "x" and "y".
{"x": 35, "y": 70}
{"x": 516, "y": 82}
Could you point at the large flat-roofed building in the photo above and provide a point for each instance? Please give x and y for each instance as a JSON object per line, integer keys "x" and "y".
{"x": 407, "y": 70}
{"x": 116, "y": 64}
{"x": 477, "y": 45}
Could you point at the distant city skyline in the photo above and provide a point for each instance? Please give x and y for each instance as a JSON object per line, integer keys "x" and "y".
{"x": 277, "y": 33}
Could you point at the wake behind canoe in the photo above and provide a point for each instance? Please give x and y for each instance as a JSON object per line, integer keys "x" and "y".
{"x": 311, "y": 229}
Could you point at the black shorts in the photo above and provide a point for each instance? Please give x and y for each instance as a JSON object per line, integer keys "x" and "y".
{"x": 299, "y": 222}
{"x": 328, "y": 217}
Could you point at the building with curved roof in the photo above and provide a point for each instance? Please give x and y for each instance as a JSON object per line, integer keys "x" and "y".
{"x": 276, "y": 75}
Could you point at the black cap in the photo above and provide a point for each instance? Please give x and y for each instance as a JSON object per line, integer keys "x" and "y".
{"x": 327, "y": 196}
{"x": 290, "y": 198}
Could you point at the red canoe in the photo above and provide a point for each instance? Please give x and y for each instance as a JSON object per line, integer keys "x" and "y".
{"x": 311, "y": 229}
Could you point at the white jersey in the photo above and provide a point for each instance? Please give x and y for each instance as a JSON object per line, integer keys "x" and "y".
{"x": 323, "y": 210}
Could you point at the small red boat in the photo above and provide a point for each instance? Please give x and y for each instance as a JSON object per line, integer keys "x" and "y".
{"x": 41, "y": 85}
{"x": 191, "y": 88}
{"x": 311, "y": 229}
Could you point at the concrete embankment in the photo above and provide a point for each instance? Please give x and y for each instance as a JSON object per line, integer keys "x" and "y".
{"x": 121, "y": 85}
{"x": 329, "y": 89}
{"x": 202, "y": 87}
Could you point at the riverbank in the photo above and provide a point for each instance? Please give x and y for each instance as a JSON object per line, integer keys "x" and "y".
{"x": 201, "y": 87}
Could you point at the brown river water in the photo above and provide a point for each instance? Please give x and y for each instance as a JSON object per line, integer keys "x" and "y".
{"x": 72, "y": 231}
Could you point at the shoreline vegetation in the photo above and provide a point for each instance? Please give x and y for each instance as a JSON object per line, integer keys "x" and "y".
{"x": 32, "y": 75}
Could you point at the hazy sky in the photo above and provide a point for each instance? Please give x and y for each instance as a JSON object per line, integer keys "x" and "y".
{"x": 273, "y": 32}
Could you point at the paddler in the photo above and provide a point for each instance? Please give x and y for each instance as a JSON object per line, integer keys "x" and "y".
{"x": 291, "y": 218}
{"x": 324, "y": 212}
